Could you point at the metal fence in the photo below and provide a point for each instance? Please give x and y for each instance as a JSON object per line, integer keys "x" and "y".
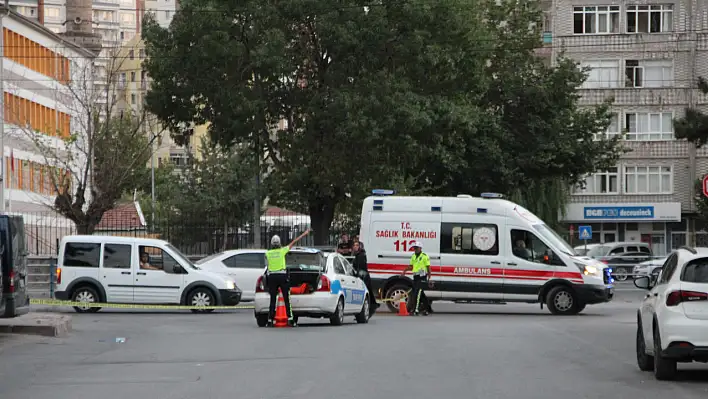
{"x": 192, "y": 235}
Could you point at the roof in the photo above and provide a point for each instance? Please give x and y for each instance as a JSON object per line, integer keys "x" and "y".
{"x": 127, "y": 216}
{"x": 115, "y": 239}
{"x": 37, "y": 26}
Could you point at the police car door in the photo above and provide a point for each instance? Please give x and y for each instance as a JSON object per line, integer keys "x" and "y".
{"x": 529, "y": 264}
{"x": 356, "y": 290}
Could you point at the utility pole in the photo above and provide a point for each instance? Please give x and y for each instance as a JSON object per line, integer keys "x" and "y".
{"x": 152, "y": 177}
{"x": 5, "y": 12}
{"x": 257, "y": 199}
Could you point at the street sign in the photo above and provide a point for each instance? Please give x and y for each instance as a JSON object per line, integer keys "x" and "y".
{"x": 705, "y": 185}
{"x": 584, "y": 232}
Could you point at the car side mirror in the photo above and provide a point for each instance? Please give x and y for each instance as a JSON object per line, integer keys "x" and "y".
{"x": 643, "y": 282}
{"x": 177, "y": 269}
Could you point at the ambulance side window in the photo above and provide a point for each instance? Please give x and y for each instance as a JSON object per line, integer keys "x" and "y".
{"x": 526, "y": 245}
{"x": 469, "y": 239}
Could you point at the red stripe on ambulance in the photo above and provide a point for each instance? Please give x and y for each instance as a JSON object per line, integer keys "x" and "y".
{"x": 479, "y": 272}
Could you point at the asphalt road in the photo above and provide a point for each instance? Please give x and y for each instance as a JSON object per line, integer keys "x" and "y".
{"x": 462, "y": 351}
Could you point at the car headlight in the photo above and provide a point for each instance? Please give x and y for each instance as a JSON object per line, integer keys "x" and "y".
{"x": 589, "y": 270}
{"x": 230, "y": 285}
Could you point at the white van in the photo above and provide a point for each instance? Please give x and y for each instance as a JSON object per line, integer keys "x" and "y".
{"x": 481, "y": 249}
{"x": 130, "y": 270}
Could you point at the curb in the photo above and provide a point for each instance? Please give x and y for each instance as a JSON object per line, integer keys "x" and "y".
{"x": 43, "y": 324}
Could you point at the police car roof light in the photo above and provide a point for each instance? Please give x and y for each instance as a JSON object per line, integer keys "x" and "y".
{"x": 491, "y": 195}
{"x": 380, "y": 191}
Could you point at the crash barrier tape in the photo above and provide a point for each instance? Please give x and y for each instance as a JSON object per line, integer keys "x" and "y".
{"x": 56, "y": 302}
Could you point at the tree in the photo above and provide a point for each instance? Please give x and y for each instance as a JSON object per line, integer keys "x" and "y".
{"x": 433, "y": 94}
{"x": 103, "y": 152}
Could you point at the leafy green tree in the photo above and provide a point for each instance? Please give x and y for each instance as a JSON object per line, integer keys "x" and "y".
{"x": 445, "y": 96}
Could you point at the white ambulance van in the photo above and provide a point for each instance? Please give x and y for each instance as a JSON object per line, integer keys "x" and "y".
{"x": 482, "y": 249}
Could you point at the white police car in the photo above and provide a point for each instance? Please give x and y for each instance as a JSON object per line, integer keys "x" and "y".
{"x": 322, "y": 285}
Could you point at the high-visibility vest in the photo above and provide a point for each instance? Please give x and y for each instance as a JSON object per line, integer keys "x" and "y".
{"x": 276, "y": 259}
{"x": 419, "y": 263}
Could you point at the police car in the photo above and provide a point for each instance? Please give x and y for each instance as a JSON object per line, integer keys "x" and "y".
{"x": 323, "y": 285}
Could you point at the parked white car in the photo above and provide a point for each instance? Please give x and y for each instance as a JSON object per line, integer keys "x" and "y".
{"x": 672, "y": 322}
{"x": 244, "y": 266}
{"x": 649, "y": 267}
{"x": 131, "y": 270}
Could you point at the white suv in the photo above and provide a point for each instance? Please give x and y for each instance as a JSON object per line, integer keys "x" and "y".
{"x": 672, "y": 322}
{"x": 136, "y": 270}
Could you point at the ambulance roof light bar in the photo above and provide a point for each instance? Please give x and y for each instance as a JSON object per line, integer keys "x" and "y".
{"x": 382, "y": 192}
{"x": 491, "y": 195}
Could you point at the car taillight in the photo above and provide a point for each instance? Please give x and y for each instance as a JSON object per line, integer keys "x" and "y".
{"x": 12, "y": 281}
{"x": 605, "y": 262}
{"x": 676, "y": 297}
{"x": 260, "y": 287}
{"x": 58, "y": 275}
{"x": 323, "y": 285}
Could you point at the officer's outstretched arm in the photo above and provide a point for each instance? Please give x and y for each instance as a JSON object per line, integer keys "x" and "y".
{"x": 292, "y": 244}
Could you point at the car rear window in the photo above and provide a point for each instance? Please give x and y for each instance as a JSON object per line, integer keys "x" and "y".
{"x": 696, "y": 271}
{"x": 79, "y": 254}
{"x": 305, "y": 261}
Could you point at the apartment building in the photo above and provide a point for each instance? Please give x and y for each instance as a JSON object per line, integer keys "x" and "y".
{"x": 38, "y": 67}
{"x": 647, "y": 56}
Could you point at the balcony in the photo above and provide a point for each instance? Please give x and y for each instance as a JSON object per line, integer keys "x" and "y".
{"x": 547, "y": 38}
{"x": 623, "y": 42}
{"x": 639, "y": 97}
{"x": 547, "y": 49}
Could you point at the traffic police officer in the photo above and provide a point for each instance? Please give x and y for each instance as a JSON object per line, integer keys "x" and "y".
{"x": 277, "y": 277}
{"x": 420, "y": 264}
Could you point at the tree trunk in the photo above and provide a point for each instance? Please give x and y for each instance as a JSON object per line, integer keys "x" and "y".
{"x": 321, "y": 216}
{"x": 84, "y": 227}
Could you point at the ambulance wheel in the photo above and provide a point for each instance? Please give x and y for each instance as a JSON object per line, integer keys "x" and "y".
{"x": 261, "y": 320}
{"x": 394, "y": 294}
{"x": 562, "y": 301}
{"x": 337, "y": 318}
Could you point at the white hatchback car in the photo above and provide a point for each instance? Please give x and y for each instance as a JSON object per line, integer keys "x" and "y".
{"x": 672, "y": 322}
{"x": 327, "y": 287}
{"x": 244, "y": 266}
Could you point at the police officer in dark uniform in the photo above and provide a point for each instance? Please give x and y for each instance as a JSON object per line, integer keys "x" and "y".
{"x": 277, "y": 276}
{"x": 420, "y": 265}
{"x": 362, "y": 268}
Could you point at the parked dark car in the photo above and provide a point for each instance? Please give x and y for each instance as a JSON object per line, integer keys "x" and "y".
{"x": 14, "y": 300}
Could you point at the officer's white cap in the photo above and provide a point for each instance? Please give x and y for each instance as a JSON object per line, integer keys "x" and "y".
{"x": 416, "y": 244}
{"x": 275, "y": 240}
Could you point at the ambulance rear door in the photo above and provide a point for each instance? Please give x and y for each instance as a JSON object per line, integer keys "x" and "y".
{"x": 395, "y": 223}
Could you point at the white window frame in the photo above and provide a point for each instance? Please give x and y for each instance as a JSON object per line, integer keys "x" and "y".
{"x": 649, "y": 135}
{"x": 667, "y": 73}
{"x": 48, "y": 11}
{"x": 608, "y": 10}
{"x": 602, "y": 65}
{"x": 665, "y": 11}
{"x": 593, "y": 183}
{"x": 613, "y": 129}
{"x": 127, "y": 18}
{"x": 648, "y": 171}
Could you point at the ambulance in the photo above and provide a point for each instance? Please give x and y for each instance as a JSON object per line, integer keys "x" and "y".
{"x": 482, "y": 250}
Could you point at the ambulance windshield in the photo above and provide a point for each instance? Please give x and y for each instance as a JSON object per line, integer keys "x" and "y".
{"x": 554, "y": 239}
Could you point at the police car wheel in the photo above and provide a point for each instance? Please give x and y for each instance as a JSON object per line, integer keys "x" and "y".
{"x": 561, "y": 300}
{"x": 363, "y": 316}
{"x": 337, "y": 318}
{"x": 261, "y": 320}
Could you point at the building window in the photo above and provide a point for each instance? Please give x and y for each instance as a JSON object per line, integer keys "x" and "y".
{"x": 649, "y": 126}
{"x": 603, "y": 182}
{"x": 127, "y": 18}
{"x": 612, "y": 130}
{"x": 650, "y": 19}
{"x": 141, "y": 53}
{"x": 121, "y": 80}
{"x": 602, "y": 75}
{"x": 596, "y": 19}
{"x": 132, "y": 76}
{"x": 648, "y": 180}
{"x": 51, "y": 12}
{"x": 133, "y": 99}
{"x": 131, "y": 54}
{"x": 122, "y": 35}
{"x": 649, "y": 73}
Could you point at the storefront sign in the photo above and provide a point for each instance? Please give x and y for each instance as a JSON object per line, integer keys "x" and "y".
{"x": 669, "y": 211}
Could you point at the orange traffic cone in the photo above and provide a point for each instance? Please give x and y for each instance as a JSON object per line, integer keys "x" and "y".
{"x": 281, "y": 315}
{"x": 403, "y": 308}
